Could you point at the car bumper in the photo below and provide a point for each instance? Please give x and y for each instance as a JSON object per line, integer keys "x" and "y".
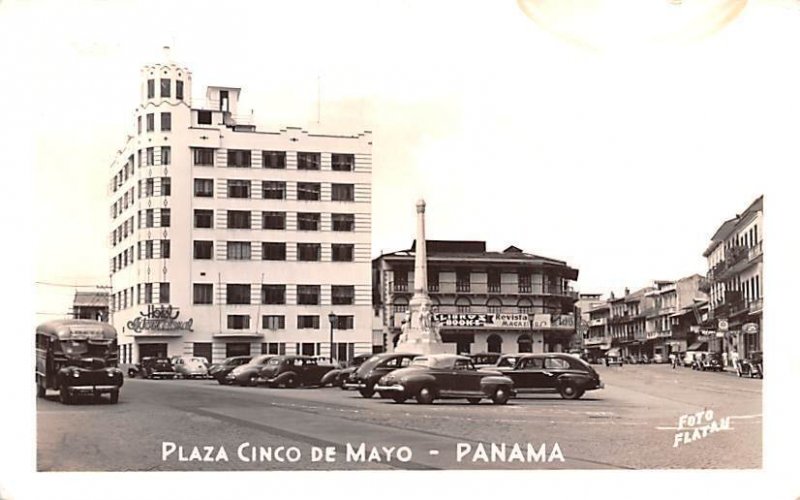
{"x": 354, "y": 385}
{"x": 91, "y": 389}
{"x": 389, "y": 388}
{"x": 163, "y": 374}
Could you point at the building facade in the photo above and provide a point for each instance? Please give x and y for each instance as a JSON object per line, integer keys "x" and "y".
{"x": 226, "y": 240}
{"x": 90, "y": 305}
{"x": 483, "y": 301}
{"x": 735, "y": 282}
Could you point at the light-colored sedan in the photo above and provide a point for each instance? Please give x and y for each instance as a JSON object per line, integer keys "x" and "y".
{"x": 190, "y": 366}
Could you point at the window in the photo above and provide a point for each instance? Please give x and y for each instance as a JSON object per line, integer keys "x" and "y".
{"x": 463, "y": 305}
{"x": 493, "y": 281}
{"x": 237, "y": 294}
{"x": 308, "y": 251}
{"x": 524, "y": 306}
{"x": 400, "y": 305}
{"x": 238, "y": 250}
{"x": 462, "y": 281}
{"x": 400, "y": 280}
{"x": 342, "y": 295}
{"x": 151, "y": 88}
{"x": 524, "y": 282}
{"x": 148, "y": 249}
{"x": 148, "y": 187}
{"x": 273, "y": 220}
{"x": 163, "y": 293}
{"x": 165, "y": 249}
{"x": 308, "y": 295}
{"x": 308, "y": 322}
{"x": 150, "y": 120}
{"x": 273, "y": 159}
{"x": 308, "y": 191}
{"x": 238, "y": 322}
{"x": 342, "y": 162}
{"x": 433, "y": 281}
{"x": 342, "y": 192}
{"x": 204, "y": 188}
{"x": 308, "y": 161}
{"x": 204, "y": 218}
{"x": 166, "y": 122}
{"x": 273, "y": 294}
{"x": 553, "y": 363}
{"x": 203, "y": 293}
{"x": 273, "y": 251}
{"x": 273, "y": 322}
{"x": 203, "y": 249}
{"x": 238, "y": 219}
{"x": 273, "y": 190}
{"x": 344, "y": 322}
{"x": 238, "y": 188}
{"x": 166, "y": 186}
{"x": 203, "y": 157}
{"x": 148, "y": 293}
{"x": 343, "y": 222}
{"x": 239, "y": 158}
{"x": 341, "y": 252}
{"x": 308, "y": 221}
{"x": 165, "y": 87}
{"x": 204, "y": 117}
{"x": 165, "y": 217}
{"x": 151, "y": 157}
{"x": 139, "y": 124}
{"x": 494, "y": 306}
{"x": 149, "y": 217}
{"x": 179, "y": 89}
{"x": 166, "y": 155}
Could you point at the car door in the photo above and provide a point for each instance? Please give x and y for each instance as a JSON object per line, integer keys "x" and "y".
{"x": 467, "y": 377}
{"x": 554, "y": 367}
{"x": 529, "y": 374}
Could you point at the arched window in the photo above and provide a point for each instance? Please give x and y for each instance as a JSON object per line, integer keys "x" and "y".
{"x": 494, "y": 306}
{"x": 524, "y": 306}
{"x": 524, "y": 343}
{"x": 494, "y": 343}
{"x": 400, "y": 305}
{"x": 463, "y": 305}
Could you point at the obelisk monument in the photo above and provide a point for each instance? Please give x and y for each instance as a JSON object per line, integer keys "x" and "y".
{"x": 420, "y": 333}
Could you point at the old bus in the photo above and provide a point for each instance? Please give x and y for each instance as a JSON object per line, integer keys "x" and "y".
{"x": 77, "y": 356}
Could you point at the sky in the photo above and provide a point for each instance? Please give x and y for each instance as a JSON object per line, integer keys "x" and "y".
{"x": 570, "y": 136}
{"x": 619, "y": 156}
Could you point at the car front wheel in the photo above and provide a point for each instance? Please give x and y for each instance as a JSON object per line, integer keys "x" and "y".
{"x": 399, "y": 399}
{"x": 570, "y": 391}
{"x": 425, "y": 395}
{"x": 500, "y": 396}
{"x": 367, "y": 392}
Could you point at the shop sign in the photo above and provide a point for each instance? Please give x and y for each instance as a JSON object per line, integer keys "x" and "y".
{"x": 723, "y": 325}
{"x": 516, "y": 321}
{"x": 563, "y": 321}
{"x": 541, "y": 321}
{"x": 750, "y": 328}
{"x": 159, "y": 318}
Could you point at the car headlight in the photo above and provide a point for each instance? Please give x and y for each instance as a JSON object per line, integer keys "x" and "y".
{"x": 76, "y": 373}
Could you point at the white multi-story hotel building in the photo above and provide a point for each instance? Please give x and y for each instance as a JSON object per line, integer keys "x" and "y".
{"x": 227, "y": 240}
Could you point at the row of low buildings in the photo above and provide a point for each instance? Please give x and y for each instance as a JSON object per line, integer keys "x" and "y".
{"x": 719, "y": 312}
{"x": 227, "y": 240}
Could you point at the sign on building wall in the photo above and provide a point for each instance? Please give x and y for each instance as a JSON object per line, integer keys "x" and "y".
{"x": 159, "y": 318}
{"x": 519, "y": 321}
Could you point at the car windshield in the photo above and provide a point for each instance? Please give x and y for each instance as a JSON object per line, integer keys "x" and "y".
{"x": 507, "y": 361}
{"x": 274, "y": 361}
{"x": 84, "y": 348}
{"x": 437, "y": 363}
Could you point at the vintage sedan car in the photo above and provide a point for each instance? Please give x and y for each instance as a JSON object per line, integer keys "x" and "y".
{"x": 613, "y": 357}
{"x": 445, "y": 376}
{"x": 220, "y": 371}
{"x": 190, "y": 366}
{"x": 338, "y": 376}
{"x": 554, "y": 372}
{"x": 247, "y": 374}
{"x": 293, "y": 371}
{"x": 484, "y": 359}
{"x": 505, "y": 362}
{"x": 368, "y": 374}
{"x": 153, "y": 367}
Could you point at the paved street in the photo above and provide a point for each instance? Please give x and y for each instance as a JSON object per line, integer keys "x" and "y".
{"x": 631, "y": 423}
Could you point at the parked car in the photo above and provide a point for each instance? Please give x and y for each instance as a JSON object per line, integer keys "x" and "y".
{"x": 153, "y": 367}
{"x": 751, "y": 367}
{"x": 711, "y": 361}
{"x": 247, "y": 374}
{"x": 659, "y": 358}
{"x": 293, "y": 371}
{"x": 368, "y": 374}
{"x": 483, "y": 359}
{"x": 444, "y": 376}
{"x": 613, "y": 357}
{"x": 505, "y": 362}
{"x": 220, "y": 371}
{"x": 190, "y": 366}
{"x": 554, "y": 372}
{"x": 696, "y": 350}
{"x": 338, "y": 376}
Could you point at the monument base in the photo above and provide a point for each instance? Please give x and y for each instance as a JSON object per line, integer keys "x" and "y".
{"x": 423, "y": 346}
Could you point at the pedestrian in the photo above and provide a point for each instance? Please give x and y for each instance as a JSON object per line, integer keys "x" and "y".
{"x": 673, "y": 358}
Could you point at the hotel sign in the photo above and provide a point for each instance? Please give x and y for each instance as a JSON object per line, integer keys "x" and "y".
{"x": 474, "y": 320}
{"x": 160, "y": 318}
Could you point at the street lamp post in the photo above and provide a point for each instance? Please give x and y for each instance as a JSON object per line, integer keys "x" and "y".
{"x": 332, "y": 321}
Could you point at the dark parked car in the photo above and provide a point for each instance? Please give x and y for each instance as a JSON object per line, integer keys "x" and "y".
{"x": 553, "y": 372}
{"x": 613, "y": 357}
{"x": 445, "y": 376}
{"x": 153, "y": 367}
{"x": 247, "y": 374}
{"x": 294, "y": 371}
{"x": 220, "y": 371}
{"x": 751, "y": 367}
{"x": 338, "y": 376}
{"x": 368, "y": 374}
{"x": 483, "y": 359}
{"x": 711, "y": 361}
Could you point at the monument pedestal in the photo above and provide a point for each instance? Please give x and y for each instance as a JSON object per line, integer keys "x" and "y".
{"x": 420, "y": 342}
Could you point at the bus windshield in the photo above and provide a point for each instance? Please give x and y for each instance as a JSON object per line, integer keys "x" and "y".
{"x": 83, "y": 348}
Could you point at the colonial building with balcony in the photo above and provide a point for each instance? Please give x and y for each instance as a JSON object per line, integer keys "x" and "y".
{"x": 672, "y": 314}
{"x": 735, "y": 281}
{"x": 227, "y": 240}
{"x": 484, "y": 301}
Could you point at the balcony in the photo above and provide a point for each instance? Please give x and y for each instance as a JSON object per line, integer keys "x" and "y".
{"x": 757, "y": 306}
{"x": 433, "y": 288}
{"x": 756, "y": 251}
{"x": 463, "y": 286}
{"x": 493, "y": 287}
{"x": 591, "y": 341}
{"x": 598, "y": 322}
{"x": 400, "y": 286}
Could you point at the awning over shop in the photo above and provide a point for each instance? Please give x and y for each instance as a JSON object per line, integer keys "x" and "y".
{"x": 698, "y": 346}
